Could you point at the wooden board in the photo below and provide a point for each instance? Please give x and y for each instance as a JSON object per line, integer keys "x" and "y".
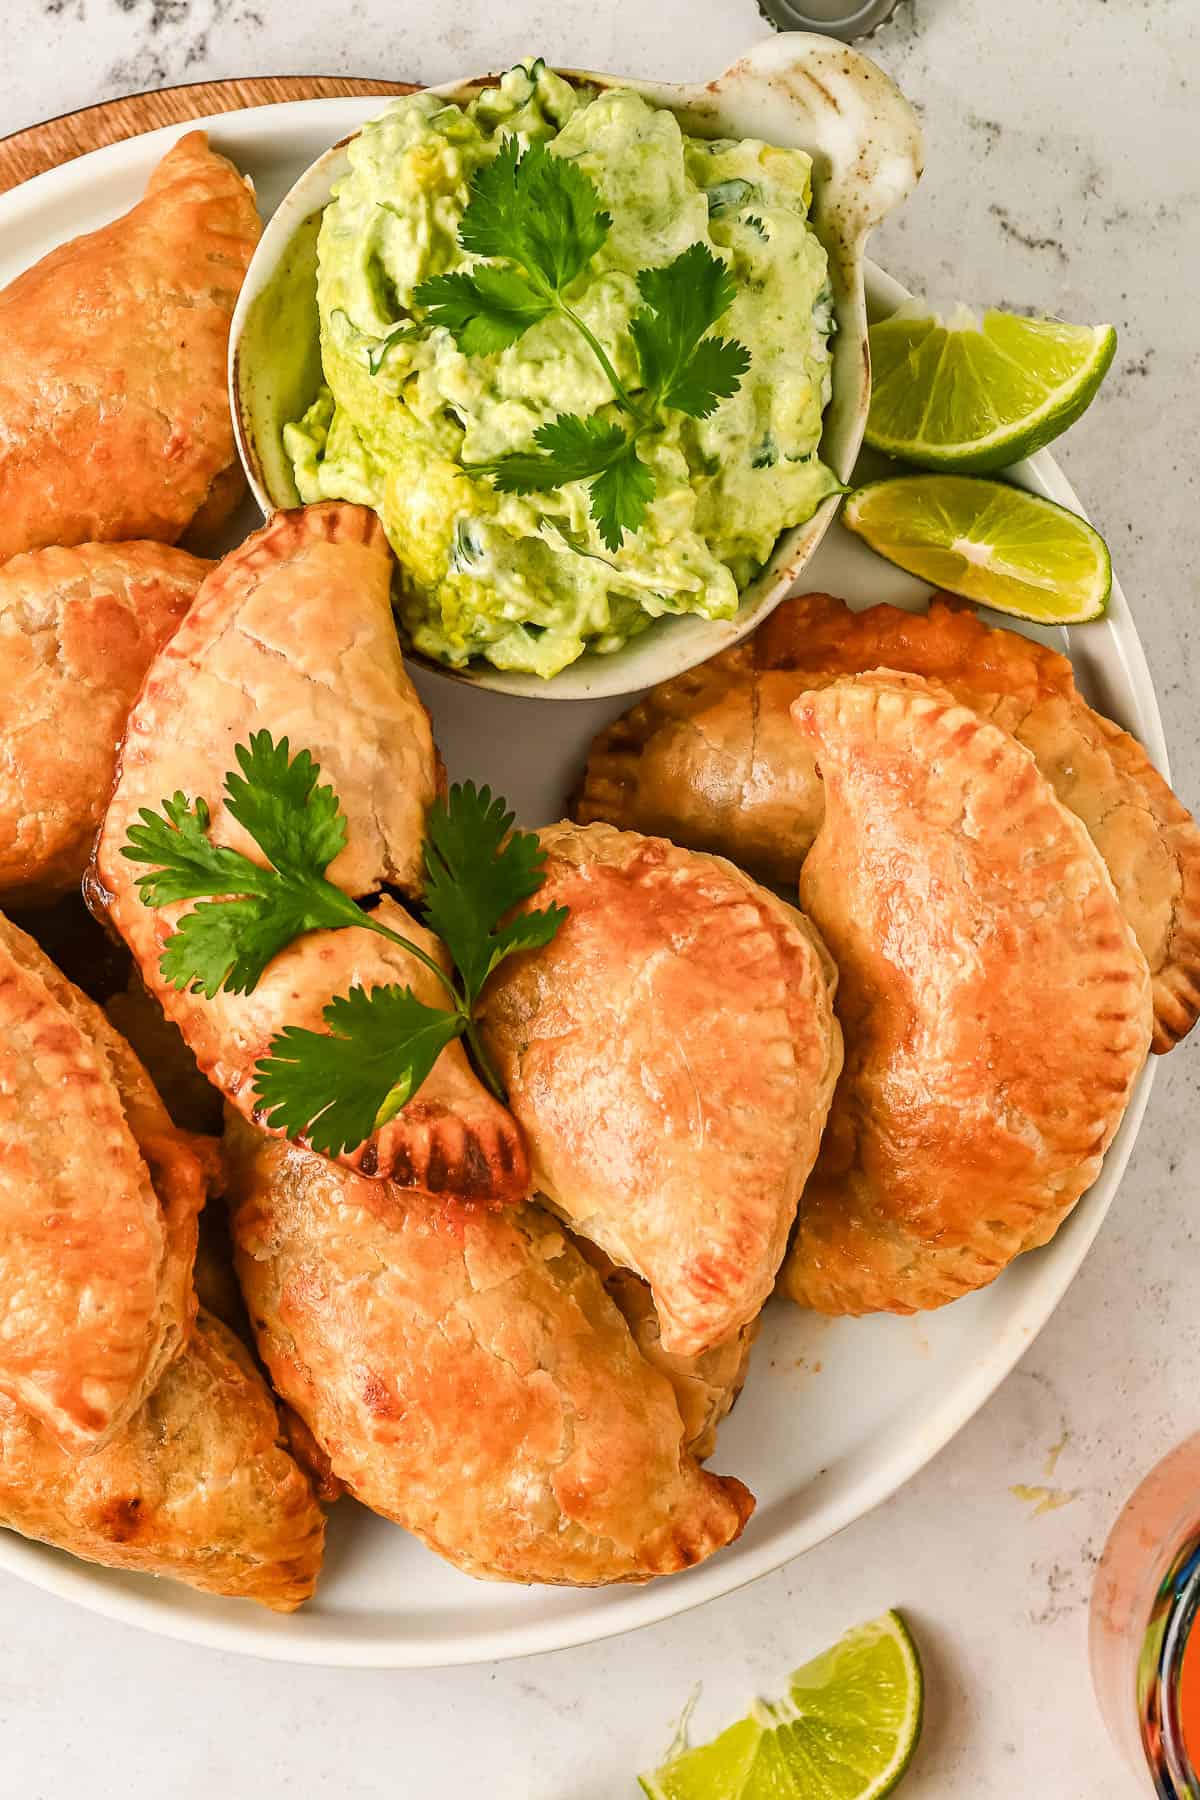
{"x": 56, "y": 141}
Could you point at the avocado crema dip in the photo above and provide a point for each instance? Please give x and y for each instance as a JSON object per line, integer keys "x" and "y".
{"x": 527, "y": 580}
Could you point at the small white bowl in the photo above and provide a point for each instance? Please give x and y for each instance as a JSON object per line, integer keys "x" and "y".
{"x": 796, "y": 91}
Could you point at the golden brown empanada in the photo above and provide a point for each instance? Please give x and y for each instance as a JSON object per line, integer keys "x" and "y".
{"x": 78, "y": 629}
{"x": 996, "y": 1006}
{"x": 709, "y": 760}
{"x": 197, "y": 1485}
{"x": 468, "y": 1376}
{"x": 99, "y": 1195}
{"x": 114, "y": 415}
{"x": 671, "y": 1057}
{"x": 707, "y": 1385}
{"x": 293, "y": 633}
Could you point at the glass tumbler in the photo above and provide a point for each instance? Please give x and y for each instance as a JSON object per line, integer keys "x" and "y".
{"x": 1145, "y": 1652}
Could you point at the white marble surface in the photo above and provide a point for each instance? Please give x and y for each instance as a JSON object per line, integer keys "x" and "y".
{"x": 1064, "y": 143}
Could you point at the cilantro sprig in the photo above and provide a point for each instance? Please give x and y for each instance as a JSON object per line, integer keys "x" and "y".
{"x": 337, "y": 1086}
{"x": 538, "y": 220}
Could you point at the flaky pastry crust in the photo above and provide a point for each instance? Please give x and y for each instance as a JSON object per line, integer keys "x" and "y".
{"x": 468, "y": 1377}
{"x": 99, "y": 1196}
{"x": 293, "y": 633}
{"x": 197, "y": 1485}
{"x": 996, "y": 1006}
{"x": 706, "y": 1386}
{"x": 114, "y": 414}
{"x": 708, "y": 760}
{"x": 671, "y": 1057}
{"x": 78, "y": 629}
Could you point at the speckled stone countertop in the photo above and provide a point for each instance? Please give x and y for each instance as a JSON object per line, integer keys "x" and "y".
{"x": 1063, "y": 158}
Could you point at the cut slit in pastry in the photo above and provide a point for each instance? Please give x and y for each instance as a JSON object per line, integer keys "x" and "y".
{"x": 293, "y": 633}
{"x": 709, "y": 759}
{"x": 671, "y": 1057}
{"x": 99, "y": 1196}
{"x": 995, "y": 1003}
{"x": 468, "y": 1376}
{"x": 114, "y": 409}
{"x": 78, "y": 630}
{"x": 196, "y": 1486}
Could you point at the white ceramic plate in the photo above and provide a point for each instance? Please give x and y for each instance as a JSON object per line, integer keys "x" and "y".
{"x": 818, "y": 1449}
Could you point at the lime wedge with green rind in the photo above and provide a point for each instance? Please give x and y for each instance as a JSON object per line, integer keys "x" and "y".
{"x": 976, "y": 394}
{"x": 845, "y": 1731}
{"x": 997, "y": 545}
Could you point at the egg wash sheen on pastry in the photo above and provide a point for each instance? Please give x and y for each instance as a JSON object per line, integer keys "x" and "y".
{"x": 530, "y": 580}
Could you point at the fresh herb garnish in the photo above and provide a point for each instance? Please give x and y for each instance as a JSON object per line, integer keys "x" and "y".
{"x": 340, "y": 1086}
{"x": 541, "y": 217}
{"x": 377, "y": 352}
{"x": 337, "y": 1086}
{"x": 374, "y": 350}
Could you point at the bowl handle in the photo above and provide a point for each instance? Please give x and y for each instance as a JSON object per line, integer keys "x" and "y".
{"x": 816, "y": 94}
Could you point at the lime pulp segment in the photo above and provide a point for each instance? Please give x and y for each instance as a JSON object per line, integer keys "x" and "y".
{"x": 998, "y": 545}
{"x": 976, "y": 394}
{"x": 846, "y": 1730}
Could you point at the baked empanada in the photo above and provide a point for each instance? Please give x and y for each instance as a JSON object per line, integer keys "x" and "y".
{"x": 995, "y": 1003}
{"x": 709, "y": 760}
{"x": 114, "y": 415}
{"x": 707, "y": 1385}
{"x": 293, "y": 633}
{"x": 99, "y": 1195}
{"x": 78, "y": 629}
{"x": 671, "y": 1057}
{"x": 468, "y": 1376}
{"x": 197, "y": 1485}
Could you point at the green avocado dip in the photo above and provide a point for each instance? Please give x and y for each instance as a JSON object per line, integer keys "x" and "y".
{"x": 527, "y": 580}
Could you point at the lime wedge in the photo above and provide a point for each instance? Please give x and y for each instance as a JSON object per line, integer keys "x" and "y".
{"x": 846, "y": 1730}
{"x": 975, "y": 393}
{"x": 992, "y": 543}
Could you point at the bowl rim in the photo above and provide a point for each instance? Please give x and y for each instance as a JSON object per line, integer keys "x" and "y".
{"x": 857, "y": 179}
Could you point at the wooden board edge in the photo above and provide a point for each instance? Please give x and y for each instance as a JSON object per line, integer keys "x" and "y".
{"x": 37, "y": 148}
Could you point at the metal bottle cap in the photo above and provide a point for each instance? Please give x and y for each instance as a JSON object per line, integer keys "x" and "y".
{"x": 845, "y": 19}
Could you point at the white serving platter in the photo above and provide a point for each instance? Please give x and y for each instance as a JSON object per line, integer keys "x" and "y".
{"x": 818, "y": 1449}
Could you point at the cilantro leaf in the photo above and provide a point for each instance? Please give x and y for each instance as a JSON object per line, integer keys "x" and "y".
{"x": 382, "y": 1043}
{"x": 477, "y": 869}
{"x": 530, "y": 209}
{"x": 228, "y": 943}
{"x": 682, "y": 301}
{"x": 528, "y": 931}
{"x": 248, "y": 913}
{"x": 337, "y": 1087}
{"x": 483, "y": 309}
{"x": 187, "y": 863}
{"x": 714, "y": 373}
{"x": 542, "y": 215}
{"x": 620, "y": 496}
{"x": 575, "y": 449}
{"x": 299, "y": 826}
{"x": 571, "y": 449}
{"x": 535, "y": 209}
